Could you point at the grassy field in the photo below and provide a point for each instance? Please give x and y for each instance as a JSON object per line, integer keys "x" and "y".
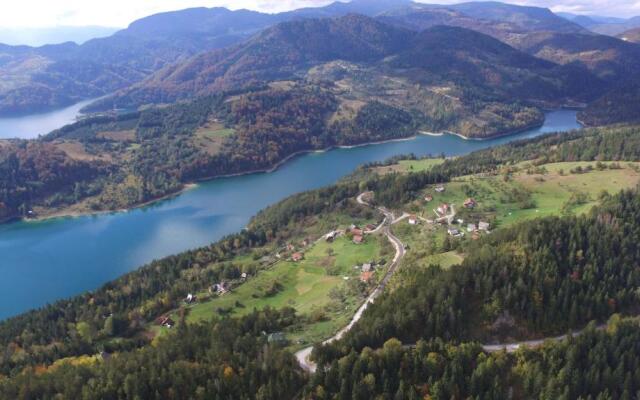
{"x": 524, "y": 196}
{"x": 305, "y": 286}
{"x": 553, "y": 190}
{"x": 420, "y": 165}
{"x": 404, "y": 166}
{"x": 211, "y": 136}
{"x": 560, "y": 191}
{"x": 312, "y": 285}
{"x": 445, "y": 260}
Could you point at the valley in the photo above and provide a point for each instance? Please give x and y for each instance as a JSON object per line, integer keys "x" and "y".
{"x": 115, "y": 243}
{"x": 520, "y": 189}
{"x": 373, "y": 199}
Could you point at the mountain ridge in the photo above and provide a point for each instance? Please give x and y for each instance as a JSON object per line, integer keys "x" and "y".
{"x": 33, "y": 83}
{"x": 286, "y": 50}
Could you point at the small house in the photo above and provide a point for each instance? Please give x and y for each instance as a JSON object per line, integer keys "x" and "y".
{"x": 357, "y": 231}
{"x": 440, "y": 189}
{"x": 244, "y": 275}
{"x": 290, "y": 247}
{"x": 443, "y": 209}
{"x": 218, "y": 288}
{"x": 358, "y": 239}
{"x": 470, "y": 203}
{"x": 460, "y": 221}
{"x": 165, "y": 321}
{"x": 483, "y": 226}
{"x": 190, "y": 298}
{"x": 366, "y": 267}
{"x": 331, "y": 236}
{"x": 413, "y": 220}
{"x": 428, "y": 198}
{"x": 366, "y": 277}
{"x": 454, "y": 232}
{"x": 296, "y": 257}
{"x": 471, "y": 228}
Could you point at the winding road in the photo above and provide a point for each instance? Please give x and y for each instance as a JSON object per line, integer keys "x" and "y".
{"x": 385, "y": 226}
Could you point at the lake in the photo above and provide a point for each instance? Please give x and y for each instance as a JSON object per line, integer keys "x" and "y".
{"x": 41, "y": 262}
{"x": 30, "y": 126}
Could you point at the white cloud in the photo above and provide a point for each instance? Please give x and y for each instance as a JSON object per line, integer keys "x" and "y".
{"x": 41, "y": 13}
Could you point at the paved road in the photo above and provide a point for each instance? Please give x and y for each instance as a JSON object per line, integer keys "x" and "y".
{"x": 303, "y": 355}
{"x": 512, "y": 347}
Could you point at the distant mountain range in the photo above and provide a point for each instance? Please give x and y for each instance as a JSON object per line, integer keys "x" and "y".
{"x": 471, "y": 78}
{"x": 632, "y": 35}
{"x": 604, "y": 25}
{"x": 59, "y": 34}
{"x": 35, "y": 79}
{"x": 165, "y": 50}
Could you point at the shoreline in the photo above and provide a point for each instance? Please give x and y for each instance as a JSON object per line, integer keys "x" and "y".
{"x": 492, "y": 137}
{"x": 62, "y": 214}
{"x": 288, "y": 158}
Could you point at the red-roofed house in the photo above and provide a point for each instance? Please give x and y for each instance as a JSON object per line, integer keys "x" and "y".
{"x": 357, "y": 231}
{"x": 366, "y": 277}
{"x": 470, "y": 203}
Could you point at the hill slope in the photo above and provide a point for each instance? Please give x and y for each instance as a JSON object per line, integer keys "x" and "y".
{"x": 526, "y": 18}
{"x": 52, "y": 76}
{"x": 502, "y": 21}
{"x": 619, "y": 105}
{"x": 56, "y": 75}
{"x": 533, "y": 30}
{"x": 608, "y": 57}
{"x": 632, "y": 35}
{"x": 277, "y": 53}
{"x": 289, "y": 50}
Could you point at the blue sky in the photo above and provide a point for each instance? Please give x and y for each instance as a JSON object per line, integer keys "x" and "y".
{"x": 118, "y": 13}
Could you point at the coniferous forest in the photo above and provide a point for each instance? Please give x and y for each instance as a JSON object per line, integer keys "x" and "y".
{"x": 551, "y": 276}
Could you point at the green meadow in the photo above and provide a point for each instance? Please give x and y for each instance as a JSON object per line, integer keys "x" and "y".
{"x": 305, "y": 285}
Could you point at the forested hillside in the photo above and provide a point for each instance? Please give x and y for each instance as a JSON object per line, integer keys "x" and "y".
{"x": 632, "y": 35}
{"x": 619, "y": 106}
{"x": 546, "y": 277}
{"x": 512, "y": 272}
{"x": 220, "y": 359}
{"x": 287, "y": 50}
{"x": 543, "y": 277}
{"x": 594, "y": 364}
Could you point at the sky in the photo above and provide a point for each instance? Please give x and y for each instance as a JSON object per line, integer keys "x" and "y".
{"x": 119, "y": 13}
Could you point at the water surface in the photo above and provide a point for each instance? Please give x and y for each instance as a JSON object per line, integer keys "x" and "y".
{"x": 30, "y": 126}
{"x": 44, "y": 261}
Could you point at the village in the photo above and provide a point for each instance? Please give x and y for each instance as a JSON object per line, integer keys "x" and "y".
{"x": 289, "y": 276}
{"x": 346, "y": 262}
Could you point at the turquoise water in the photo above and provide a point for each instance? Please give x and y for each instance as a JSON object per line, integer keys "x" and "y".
{"x": 44, "y": 261}
{"x": 30, "y": 126}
